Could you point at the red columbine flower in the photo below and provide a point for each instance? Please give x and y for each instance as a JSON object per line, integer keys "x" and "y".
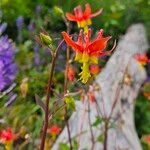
{"x": 7, "y": 135}
{"x": 71, "y": 73}
{"x": 94, "y": 69}
{"x": 83, "y": 19}
{"x": 142, "y": 58}
{"x": 146, "y": 139}
{"x": 91, "y": 96}
{"x": 54, "y": 130}
{"x": 87, "y": 52}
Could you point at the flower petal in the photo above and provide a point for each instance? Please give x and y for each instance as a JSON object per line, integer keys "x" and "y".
{"x": 78, "y": 13}
{"x": 98, "y": 45}
{"x": 87, "y": 11}
{"x": 96, "y": 13}
{"x": 71, "y": 43}
{"x": 71, "y": 17}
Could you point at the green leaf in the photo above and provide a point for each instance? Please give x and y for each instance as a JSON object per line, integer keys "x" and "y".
{"x": 97, "y": 121}
{"x": 63, "y": 146}
{"x": 101, "y": 138}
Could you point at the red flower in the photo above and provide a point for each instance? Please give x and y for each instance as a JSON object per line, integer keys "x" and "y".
{"x": 6, "y": 135}
{"x": 94, "y": 69}
{"x": 87, "y": 52}
{"x": 54, "y": 130}
{"x": 141, "y": 58}
{"x": 91, "y": 97}
{"x": 147, "y": 139}
{"x": 71, "y": 73}
{"x": 83, "y": 19}
{"x": 147, "y": 95}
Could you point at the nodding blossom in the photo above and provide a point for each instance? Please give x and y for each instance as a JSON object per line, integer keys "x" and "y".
{"x": 71, "y": 73}
{"x": 6, "y": 135}
{"x": 87, "y": 51}
{"x": 142, "y": 59}
{"x": 54, "y": 130}
{"x": 83, "y": 19}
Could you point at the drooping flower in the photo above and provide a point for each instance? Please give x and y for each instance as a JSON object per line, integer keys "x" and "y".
{"x": 91, "y": 96}
{"x": 88, "y": 52}
{"x": 94, "y": 69}
{"x": 146, "y": 140}
{"x": 83, "y": 19}
{"x": 142, "y": 59}
{"x": 54, "y": 130}
{"x": 7, "y": 135}
{"x": 71, "y": 73}
{"x": 8, "y": 68}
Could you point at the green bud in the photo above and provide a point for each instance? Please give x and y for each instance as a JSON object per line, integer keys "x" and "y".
{"x": 58, "y": 10}
{"x": 45, "y": 39}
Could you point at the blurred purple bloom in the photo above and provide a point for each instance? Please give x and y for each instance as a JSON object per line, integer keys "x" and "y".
{"x": 36, "y": 55}
{"x": 31, "y": 26}
{"x": 38, "y": 9}
{"x": 3, "y": 27}
{"x": 19, "y": 22}
{"x": 8, "y": 68}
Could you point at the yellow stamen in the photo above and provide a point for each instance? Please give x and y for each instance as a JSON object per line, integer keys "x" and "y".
{"x": 83, "y": 24}
{"x": 88, "y": 22}
{"x": 85, "y": 75}
{"x": 85, "y": 57}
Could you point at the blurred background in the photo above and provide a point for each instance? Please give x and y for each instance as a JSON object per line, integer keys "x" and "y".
{"x": 21, "y": 21}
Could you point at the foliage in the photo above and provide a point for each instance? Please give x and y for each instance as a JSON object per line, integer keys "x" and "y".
{"x": 23, "y": 115}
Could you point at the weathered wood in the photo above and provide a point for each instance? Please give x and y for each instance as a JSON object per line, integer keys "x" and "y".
{"x": 123, "y": 136}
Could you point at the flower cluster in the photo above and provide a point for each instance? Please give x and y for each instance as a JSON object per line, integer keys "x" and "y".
{"x": 8, "y": 68}
{"x": 87, "y": 51}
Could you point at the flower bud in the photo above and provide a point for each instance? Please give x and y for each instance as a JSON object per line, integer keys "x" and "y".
{"x": 58, "y": 10}
{"x": 45, "y": 39}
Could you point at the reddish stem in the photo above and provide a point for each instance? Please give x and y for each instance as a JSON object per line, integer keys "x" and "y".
{"x": 105, "y": 134}
{"x": 48, "y": 93}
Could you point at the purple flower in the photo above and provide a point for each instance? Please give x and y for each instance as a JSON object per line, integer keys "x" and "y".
{"x": 3, "y": 27}
{"x": 37, "y": 60}
{"x": 19, "y": 22}
{"x": 31, "y": 26}
{"x": 38, "y": 9}
{"x": 8, "y": 68}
